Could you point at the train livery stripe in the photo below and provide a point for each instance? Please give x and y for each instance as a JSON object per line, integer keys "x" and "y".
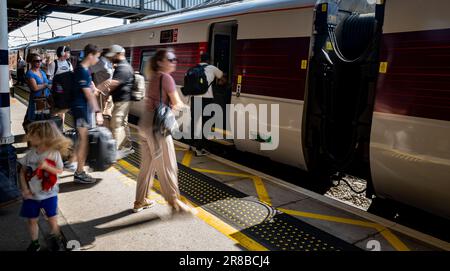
{"x": 4, "y": 57}
{"x": 417, "y": 81}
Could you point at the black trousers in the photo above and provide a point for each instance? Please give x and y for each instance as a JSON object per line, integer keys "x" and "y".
{"x": 197, "y": 116}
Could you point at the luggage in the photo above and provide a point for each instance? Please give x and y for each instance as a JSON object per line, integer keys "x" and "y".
{"x": 138, "y": 87}
{"x": 195, "y": 81}
{"x": 58, "y": 121}
{"x": 102, "y": 148}
{"x": 62, "y": 89}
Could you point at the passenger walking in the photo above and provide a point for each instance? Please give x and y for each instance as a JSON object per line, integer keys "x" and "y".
{"x": 61, "y": 76}
{"x": 85, "y": 110}
{"x": 212, "y": 73}
{"x": 102, "y": 73}
{"x": 39, "y": 179}
{"x": 38, "y": 104}
{"x": 21, "y": 65}
{"x": 158, "y": 152}
{"x": 120, "y": 89}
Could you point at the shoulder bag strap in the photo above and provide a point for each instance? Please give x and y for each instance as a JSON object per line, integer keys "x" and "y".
{"x": 160, "y": 89}
{"x": 56, "y": 67}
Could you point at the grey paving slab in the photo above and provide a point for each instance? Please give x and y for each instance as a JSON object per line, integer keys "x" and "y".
{"x": 380, "y": 243}
{"x": 101, "y": 216}
{"x": 14, "y": 234}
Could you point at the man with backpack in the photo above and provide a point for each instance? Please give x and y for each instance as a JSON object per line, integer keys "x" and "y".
{"x": 120, "y": 88}
{"x": 198, "y": 84}
{"x": 85, "y": 110}
{"x": 61, "y": 76}
{"x": 102, "y": 73}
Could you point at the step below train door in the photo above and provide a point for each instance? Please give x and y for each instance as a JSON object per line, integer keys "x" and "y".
{"x": 344, "y": 64}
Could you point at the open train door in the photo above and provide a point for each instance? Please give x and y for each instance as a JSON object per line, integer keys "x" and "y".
{"x": 344, "y": 62}
{"x": 223, "y": 38}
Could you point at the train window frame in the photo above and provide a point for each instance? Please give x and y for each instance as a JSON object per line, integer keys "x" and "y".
{"x": 141, "y": 59}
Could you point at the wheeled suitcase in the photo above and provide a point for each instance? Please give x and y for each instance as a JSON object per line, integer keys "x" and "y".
{"x": 102, "y": 147}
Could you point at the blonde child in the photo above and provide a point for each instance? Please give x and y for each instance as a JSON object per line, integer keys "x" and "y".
{"x": 38, "y": 178}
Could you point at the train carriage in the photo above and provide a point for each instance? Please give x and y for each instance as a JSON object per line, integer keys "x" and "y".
{"x": 362, "y": 85}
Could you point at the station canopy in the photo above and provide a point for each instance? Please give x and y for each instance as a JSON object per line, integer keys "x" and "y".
{"x": 23, "y": 12}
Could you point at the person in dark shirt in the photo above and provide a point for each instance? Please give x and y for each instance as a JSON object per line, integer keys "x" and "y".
{"x": 120, "y": 90}
{"x": 85, "y": 110}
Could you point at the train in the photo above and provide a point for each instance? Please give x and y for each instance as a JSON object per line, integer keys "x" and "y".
{"x": 363, "y": 86}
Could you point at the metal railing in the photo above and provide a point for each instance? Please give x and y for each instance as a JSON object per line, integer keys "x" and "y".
{"x": 160, "y": 5}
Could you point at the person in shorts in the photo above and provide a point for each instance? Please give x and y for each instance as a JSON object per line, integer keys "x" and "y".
{"x": 85, "y": 110}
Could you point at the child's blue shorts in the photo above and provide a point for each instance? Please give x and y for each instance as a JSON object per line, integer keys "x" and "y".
{"x": 31, "y": 208}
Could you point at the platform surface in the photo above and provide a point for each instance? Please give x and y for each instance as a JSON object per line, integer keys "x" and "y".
{"x": 99, "y": 216}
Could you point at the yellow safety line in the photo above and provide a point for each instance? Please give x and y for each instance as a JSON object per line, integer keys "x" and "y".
{"x": 187, "y": 158}
{"x": 217, "y": 172}
{"x": 261, "y": 190}
{"x": 387, "y": 234}
{"x": 223, "y": 132}
{"x": 329, "y": 218}
{"x": 392, "y": 239}
{"x": 210, "y": 219}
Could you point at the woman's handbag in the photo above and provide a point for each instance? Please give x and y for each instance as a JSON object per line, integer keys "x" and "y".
{"x": 43, "y": 103}
{"x": 164, "y": 122}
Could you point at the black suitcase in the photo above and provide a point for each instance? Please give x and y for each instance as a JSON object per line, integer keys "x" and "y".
{"x": 102, "y": 148}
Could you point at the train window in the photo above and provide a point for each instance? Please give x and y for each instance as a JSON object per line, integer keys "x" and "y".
{"x": 145, "y": 57}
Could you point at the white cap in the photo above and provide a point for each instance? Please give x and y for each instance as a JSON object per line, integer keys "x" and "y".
{"x": 114, "y": 49}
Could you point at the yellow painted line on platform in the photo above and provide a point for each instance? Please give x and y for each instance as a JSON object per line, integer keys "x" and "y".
{"x": 187, "y": 159}
{"x": 387, "y": 234}
{"x": 261, "y": 190}
{"x": 393, "y": 240}
{"x": 204, "y": 215}
{"x": 225, "y": 173}
{"x": 329, "y": 218}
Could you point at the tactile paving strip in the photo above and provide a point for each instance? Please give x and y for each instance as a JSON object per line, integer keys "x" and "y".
{"x": 270, "y": 228}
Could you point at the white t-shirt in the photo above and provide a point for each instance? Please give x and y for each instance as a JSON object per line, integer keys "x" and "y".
{"x": 63, "y": 66}
{"x": 212, "y": 72}
{"x": 32, "y": 159}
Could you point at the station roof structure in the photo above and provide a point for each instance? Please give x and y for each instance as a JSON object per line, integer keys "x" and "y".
{"x": 23, "y": 12}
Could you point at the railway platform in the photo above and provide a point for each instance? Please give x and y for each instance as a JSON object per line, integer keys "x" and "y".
{"x": 239, "y": 209}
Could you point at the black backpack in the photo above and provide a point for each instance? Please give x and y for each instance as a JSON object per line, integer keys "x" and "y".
{"x": 195, "y": 81}
{"x": 62, "y": 88}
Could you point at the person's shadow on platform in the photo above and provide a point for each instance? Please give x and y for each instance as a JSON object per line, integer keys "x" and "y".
{"x": 91, "y": 230}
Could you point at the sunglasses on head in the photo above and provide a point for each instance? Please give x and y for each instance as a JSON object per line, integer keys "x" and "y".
{"x": 171, "y": 60}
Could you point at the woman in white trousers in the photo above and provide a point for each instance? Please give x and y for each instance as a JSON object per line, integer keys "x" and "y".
{"x": 157, "y": 151}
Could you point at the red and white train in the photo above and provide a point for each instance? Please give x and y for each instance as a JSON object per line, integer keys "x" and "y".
{"x": 363, "y": 85}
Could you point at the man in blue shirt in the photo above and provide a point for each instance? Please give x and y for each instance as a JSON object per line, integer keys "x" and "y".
{"x": 84, "y": 109}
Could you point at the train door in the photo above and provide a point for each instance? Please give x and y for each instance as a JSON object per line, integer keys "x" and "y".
{"x": 344, "y": 62}
{"x": 223, "y": 37}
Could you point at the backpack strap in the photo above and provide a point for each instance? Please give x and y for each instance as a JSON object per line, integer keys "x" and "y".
{"x": 56, "y": 67}
{"x": 204, "y": 66}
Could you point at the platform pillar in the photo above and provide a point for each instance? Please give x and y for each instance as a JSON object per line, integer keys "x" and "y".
{"x": 8, "y": 157}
